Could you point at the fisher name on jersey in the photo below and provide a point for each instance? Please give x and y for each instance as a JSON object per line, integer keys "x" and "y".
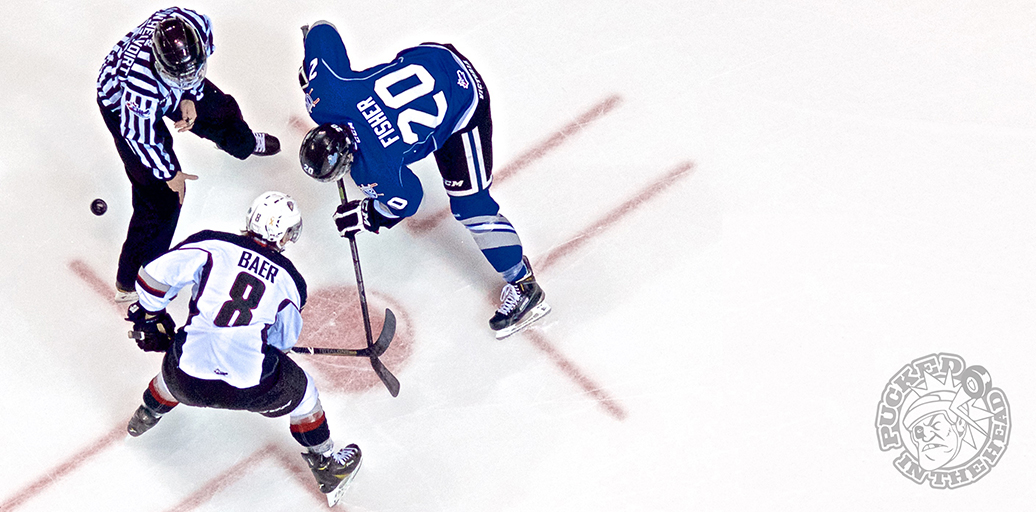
{"x": 399, "y": 112}
{"x": 244, "y": 296}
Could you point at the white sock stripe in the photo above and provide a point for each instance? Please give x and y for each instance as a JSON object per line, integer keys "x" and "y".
{"x": 163, "y": 388}
{"x": 310, "y": 400}
{"x": 494, "y": 239}
{"x": 482, "y": 219}
{"x": 488, "y": 223}
{"x": 491, "y": 227}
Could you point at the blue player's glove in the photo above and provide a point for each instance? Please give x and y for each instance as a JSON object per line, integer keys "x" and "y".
{"x": 350, "y": 216}
{"x": 153, "y": 332}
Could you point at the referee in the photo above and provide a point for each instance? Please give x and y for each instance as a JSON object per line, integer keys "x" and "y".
{"x": 156, "y": 71}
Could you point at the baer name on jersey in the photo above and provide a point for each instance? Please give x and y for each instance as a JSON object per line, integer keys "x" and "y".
{"x": 258, "y": 265}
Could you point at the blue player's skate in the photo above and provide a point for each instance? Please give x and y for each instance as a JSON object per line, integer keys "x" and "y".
{"x": 521, "y": 305}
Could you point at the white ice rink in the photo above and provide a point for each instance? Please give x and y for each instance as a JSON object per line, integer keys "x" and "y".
{"x": 747, "y": 216}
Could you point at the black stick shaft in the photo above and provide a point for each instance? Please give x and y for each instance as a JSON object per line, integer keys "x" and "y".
{"x": 384, "y": 374}
{"x": 359, "y": 352}
{"x": 359, "y": 274}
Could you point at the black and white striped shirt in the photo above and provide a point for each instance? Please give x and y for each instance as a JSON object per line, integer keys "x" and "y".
{"x": 129, "y": 85}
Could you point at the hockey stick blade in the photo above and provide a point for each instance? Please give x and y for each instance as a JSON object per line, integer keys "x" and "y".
{"x": 390, "y": 381}
{"x": 388, "y": 330}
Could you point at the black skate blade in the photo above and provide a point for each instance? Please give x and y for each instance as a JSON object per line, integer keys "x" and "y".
{"x": 335, "y": 495}
{"x": 535, "y": 314}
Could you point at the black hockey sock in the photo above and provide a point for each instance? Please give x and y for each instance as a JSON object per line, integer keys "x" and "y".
{"x": 312, "y": 431}
{"x": 154, "y": 401}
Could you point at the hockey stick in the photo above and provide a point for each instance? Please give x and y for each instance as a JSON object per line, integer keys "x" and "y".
{"x": 384, "y": 374}
{"x": 387, "y": 331}
{"x": 373, "y": 350}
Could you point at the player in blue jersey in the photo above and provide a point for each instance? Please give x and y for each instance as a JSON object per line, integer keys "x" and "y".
{"x": 375, "y": 122}
{"x": 245, "y": 314}
{"x": 158, "y": 71}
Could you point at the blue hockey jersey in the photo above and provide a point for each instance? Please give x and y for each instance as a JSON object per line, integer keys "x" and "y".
{"x": 399, "y": 112}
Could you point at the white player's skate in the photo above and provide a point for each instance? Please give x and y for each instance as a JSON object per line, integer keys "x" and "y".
{"x": 142, "y": 421}
{"x": 335, "y": 495}
{"x": 334, "y": 472}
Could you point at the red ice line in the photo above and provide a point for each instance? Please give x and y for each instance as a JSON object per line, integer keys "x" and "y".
{"x": 198, "y": 497}
{"x": 235, "y": 473}
{"x": 611, "y": 218}
{"x": 84, "y": 272}
{"x": 63, "y": 469}
{"x": 662, "y": 184}
{"x": 539, "y": 340}
{"x": 238, "y": 471}
{"x": 425, "y": 224}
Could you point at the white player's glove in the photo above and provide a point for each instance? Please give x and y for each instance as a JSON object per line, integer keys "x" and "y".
{"x": 153, "y": 332}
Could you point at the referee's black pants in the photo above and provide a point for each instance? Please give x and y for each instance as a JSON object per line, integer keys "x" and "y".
{"x": 156, "y": 208}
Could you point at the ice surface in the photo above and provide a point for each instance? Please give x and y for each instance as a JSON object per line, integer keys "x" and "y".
{"x": 782, "y": 204}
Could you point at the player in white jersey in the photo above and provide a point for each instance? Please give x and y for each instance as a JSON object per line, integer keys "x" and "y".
{"x": 245, "y": 315}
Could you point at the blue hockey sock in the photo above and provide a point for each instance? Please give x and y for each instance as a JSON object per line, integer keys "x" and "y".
{"x": 499, "y": 243}
{"x": 515, "y": 273}
{"x": 493, "y": 233}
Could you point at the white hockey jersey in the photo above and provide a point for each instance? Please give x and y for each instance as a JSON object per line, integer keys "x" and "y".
{"x": 244, "y": 296}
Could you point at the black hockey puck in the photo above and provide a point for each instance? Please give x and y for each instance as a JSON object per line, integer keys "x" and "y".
{"x": 98, "y": 206}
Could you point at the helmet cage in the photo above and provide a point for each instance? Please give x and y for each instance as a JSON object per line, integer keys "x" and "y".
{"x": 179, "y": 54}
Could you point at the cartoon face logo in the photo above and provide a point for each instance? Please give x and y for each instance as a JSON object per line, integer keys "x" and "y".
{"x": 950, "y": 423}
{"x": 937, "y": 439}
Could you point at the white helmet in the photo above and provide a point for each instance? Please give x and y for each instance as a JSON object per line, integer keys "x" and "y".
{"x": 276, "y": 218}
